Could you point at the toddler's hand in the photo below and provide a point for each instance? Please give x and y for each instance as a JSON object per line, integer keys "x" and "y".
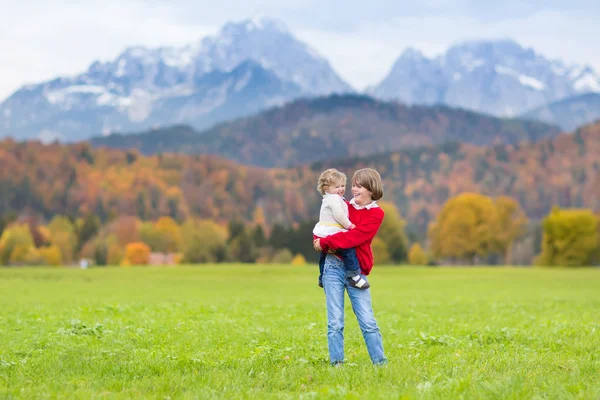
{"x": 352, "y": 227}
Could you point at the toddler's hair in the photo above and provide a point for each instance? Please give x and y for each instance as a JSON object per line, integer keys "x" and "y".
{"x": 370, "y": 180}
{"x": 329, "y": 177}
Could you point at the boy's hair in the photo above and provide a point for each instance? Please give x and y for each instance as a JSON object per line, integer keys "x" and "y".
{"x": 330, "y": 177}
{"x": 370, "y": 180}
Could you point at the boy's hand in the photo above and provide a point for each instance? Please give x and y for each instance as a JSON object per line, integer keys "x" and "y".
{"x": 352, "y": 227}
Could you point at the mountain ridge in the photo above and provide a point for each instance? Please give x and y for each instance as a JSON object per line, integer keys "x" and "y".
{"x": 310, "y": 130}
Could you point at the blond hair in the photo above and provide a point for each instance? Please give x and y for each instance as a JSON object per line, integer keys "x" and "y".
{"x": 370, "y": 180}
{"x": 328, "y": 178}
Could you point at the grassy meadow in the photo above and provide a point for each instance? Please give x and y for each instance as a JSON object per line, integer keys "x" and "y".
{"x": 252, "y": 331}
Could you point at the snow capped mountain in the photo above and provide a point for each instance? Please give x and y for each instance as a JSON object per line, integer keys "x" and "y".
{"x": 207, "y": 78}
{"x": 497, "y": 77}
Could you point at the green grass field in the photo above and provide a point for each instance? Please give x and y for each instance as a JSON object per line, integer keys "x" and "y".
{"x": 260, "y": 332}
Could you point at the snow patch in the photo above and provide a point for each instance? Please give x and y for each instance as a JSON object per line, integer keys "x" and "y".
{"x": 525, "y": 80}
{"x": 7, "y": 112}
{"x": 113, "y": 100}
{"x": 587, "y": 83}
{"x": 239, "y": 85}
{"x": 505, "y": 70}
{"x": 61, "y": 95}
{"x": 531, "y": 82}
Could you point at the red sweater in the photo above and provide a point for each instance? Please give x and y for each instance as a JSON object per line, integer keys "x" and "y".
{"x": 367, "y": 223}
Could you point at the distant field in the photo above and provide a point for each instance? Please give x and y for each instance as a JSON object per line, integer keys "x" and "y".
{"x": 260, "y": 332}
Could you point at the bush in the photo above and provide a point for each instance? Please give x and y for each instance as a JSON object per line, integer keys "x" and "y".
{"x": 299, "y": 260}
{"x": 283, "y": 256}
{"x": 137, "y": 253}
{"x": 416, "y": 255}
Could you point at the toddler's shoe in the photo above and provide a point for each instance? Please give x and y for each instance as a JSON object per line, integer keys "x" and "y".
{"x": 359, "y": 282}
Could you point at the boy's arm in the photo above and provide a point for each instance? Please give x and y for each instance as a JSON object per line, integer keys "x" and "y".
{"x": 337, "y": 209}
{"x": 361, "y": 233}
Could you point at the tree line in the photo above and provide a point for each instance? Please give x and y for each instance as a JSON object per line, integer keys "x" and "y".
{"x": 470, "y": 229}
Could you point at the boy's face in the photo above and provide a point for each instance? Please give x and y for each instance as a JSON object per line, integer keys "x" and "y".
{"x": 337, "y": 188}
{"x": 362, "y": 196}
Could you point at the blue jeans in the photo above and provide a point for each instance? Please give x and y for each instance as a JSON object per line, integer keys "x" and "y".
{"x": 349, "y": 259}
{"x": 334, "y": 283}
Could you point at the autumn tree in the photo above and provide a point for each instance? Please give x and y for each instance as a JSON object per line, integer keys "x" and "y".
{"x": 203, "y": 241}
{"x": 463, "y": 229}
{"x": 63, "y": 236}
{"x": 170, "y": 235}
{"x": 15, "y": 239}
{"x": 137, "y": 253}
{"x": 416, "y": 255}
{"x": 570, "y": 238}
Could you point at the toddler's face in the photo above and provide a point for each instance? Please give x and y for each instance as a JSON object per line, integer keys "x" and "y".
{"x": 337, "y": 188}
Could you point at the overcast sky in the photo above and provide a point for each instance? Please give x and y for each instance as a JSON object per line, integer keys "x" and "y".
{"x": 42, "y": 39}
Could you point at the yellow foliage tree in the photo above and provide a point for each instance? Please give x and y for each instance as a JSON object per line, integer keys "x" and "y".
{"x": 463, "y": 229}
{"x": 23, "y": 254}
{"x": 416, "y": 255}
{"x": 51, "y": 255}
{"x": 13, "y": 236}
{"x": 137, "y": 253}
{"x": 63, "y": 236}
{"x": 170, "y": 235}
{"x": 570, "y": 238}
